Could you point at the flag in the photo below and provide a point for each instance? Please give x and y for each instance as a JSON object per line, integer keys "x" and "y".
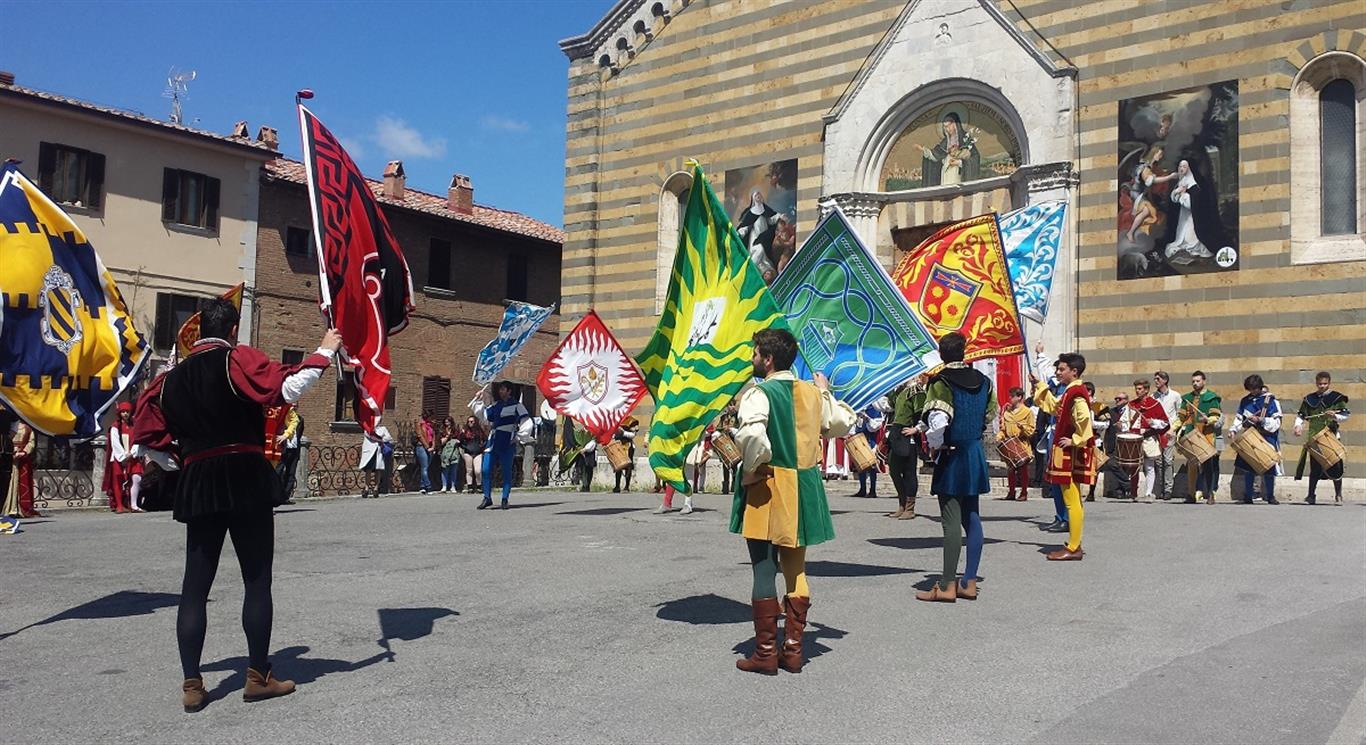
{"x": 957, "y": 280}
{"x": 701, "y": 352}
{"x": 363, "y": 281}
{"x": 590, "y": 378}
{"x": 520, "y": 321}
{"x": 68, "y": 345}
{"x": 1031, "y": 236}
{"x": 853, "y": 324}
{"x": 188, "y": 335}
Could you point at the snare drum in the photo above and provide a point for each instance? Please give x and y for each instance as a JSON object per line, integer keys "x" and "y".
{"x": 726, "y": 449}
{"x": 1129, "y": 451}
{"x": 618, "y": 454}
{"x": 1015, "y": 452}
{"x": 860, "y": 453}
{"x": 1196, "y": 447}
{"x": 1326, "y": 449}
{"x": 1255, "y": 451}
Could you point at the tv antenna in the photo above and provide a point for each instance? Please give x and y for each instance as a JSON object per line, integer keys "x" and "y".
{"x": 178, "y": 89}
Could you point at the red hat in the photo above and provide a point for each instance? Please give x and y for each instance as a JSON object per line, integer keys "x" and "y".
{"x": 124, "y": 406}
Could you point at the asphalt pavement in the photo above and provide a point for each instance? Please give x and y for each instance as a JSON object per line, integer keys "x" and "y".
{"x": 584, "y": 618}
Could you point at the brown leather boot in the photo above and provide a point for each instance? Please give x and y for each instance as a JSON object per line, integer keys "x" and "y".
{"x": 791, "y": 659}
{"x": 900, "y": 509}
{"x": 193, "y": 696}
{"x": 908, "y": 513}
{"x": 261, "y": 687}
{"x": 765, "y": 657}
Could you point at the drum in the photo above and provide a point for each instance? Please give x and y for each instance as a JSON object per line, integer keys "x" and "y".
{"x": 1129, "y": 451}
{"x": 1015, "y": 452}
{"x": 1099, "y": 457}
{"x": 861, "y": 454}
{"x": 1195, "y": 447}
{"x": 726, "y": 449}
{"x": 1255, "y": 451}
{"x": 1326, "y": 449}
{"x": 618, "y": 454}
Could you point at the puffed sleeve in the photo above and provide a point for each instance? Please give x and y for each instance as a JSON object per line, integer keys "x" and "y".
{"x": 837, "y": 419}
{"x": 149, "y": 423}
{"x": 262, "y": 380}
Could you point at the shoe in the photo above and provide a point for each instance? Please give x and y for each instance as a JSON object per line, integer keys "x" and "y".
{"x": 192, "y": 695}
{"x": 1063, "y": 554}
{"x": 1272, "y": 500}
{"x": 484, "y": 505}
{"x": 687, "y": 509}
{"x": 1209, "y": 499}
{"x": 1090, "y": 498}
{"x": 660, "y": 510}
{"x": 1057, "y": 527}
{"x": 1310, "y": 499}
{"x": 1024, "y": 496}
{"x": 616, "y": 490}
{"x": 860, "y": 493}
{"x": 872, "y": 495}
{"x": 908, "y": 513}
{"x": 764, "y": 660}
{"x": 261, "y": 687}
{"x": 1009, "y": 497}
{"x": 1247, "y": 501}
{"x": 423, "y": 491}
{"x": 937, "y": 595}
{"x": 503, "y": 505}
{"x": 791, "y": 658}
{"x": 898, "y": 512}
{"x": 967, "y": 589}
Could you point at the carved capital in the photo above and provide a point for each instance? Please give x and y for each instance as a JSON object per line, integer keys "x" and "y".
{"x": 852, "y": 205}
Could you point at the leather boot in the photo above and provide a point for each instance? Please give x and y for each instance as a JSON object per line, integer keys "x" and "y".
{"x": 193, "y": 696}
{"x": 900, "y": 509}
{"x": 791, "y": 658}
{"x": 261, "y": 687}
{"x": 765, "y": 657}
{"x": 908, "y": 512}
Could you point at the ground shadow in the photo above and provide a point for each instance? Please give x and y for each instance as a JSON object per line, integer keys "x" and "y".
{"x": 933, "y": 581}
{"x": 410, "y": 624}
{"x": 811, "y": 641}
{"x": 530, "y": 505}
{"x": 119, "y": 604}
{"x": 603, "y": 511}
{"x": 294, "y": 509}
{"x": 709, "y": 609}
{"x": 846, "y": 569}
{"x": 919, "y": 542}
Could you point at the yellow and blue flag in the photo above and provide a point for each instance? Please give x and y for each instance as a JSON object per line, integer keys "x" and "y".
{"x": 68, "y": 346}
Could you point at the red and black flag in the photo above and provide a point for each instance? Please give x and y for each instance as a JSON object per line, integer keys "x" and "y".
{"x": 364, "y": 285}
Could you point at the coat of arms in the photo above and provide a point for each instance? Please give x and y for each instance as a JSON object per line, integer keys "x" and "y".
{"x": 593, "y": 382}
{"x": 946, "y": 298}
{"x": 59, "y": 303}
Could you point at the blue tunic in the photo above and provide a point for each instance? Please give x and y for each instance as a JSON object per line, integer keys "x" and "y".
{"x": 962, "y": 469}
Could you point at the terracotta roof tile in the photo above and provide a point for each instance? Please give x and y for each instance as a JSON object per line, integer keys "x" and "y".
{"x": 507, "y": 221}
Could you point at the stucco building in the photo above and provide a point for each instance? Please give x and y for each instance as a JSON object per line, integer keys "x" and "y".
{"x": 910, "y": 115}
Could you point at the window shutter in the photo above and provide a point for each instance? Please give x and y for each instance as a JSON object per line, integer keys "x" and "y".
{"x": 211, "y": 189}
{"x": 47, "y": 163}
{"x": 161, "y": 336}
{"x": 170, "y": 193}
{"x": 439, "y": 264}
{"x": 94, "y": 180}
{"x": 436, "y": 396}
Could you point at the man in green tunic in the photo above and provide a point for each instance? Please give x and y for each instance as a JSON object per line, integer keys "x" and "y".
{"x": 1324, "y": 408}
{"x": 1200, "y": 411}
{"x": 780, "y": 505}
{"x": 903, "y": 445}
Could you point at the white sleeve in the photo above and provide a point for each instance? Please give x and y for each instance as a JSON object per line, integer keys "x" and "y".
{"x": 837, "y": 419}
{"x": 161, "y": 458}
{"x": 479, "y": 406}
{"x": 752, "y": 436}
{"x": 1272, "y": 422}
{"x": 1341, "y": 416}
{"x": 939, "y": 426}
{"x": 1299, "y": 421}
{"x": 116, "y": 449}
{"x": 1184, "y": 199}
{"x": 1043, "y": 367}
{"x": 295, "y": 385}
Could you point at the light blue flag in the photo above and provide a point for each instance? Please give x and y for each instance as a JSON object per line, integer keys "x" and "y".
{"x": 520, "y": 321}
{"x": 1031, "y": 236}
{"x": 851, "y": 322}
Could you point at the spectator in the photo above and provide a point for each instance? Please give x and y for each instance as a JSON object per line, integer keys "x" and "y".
{"x": 375, "y": 450}
{"x": 423, "y": 449}
{"x": 288, "y": 441}
{"x": 472, "y": 453}
{"x": 450, "y": 456}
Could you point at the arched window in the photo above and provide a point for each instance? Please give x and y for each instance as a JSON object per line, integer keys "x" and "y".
{"x": 673, "y": 201}
{"x": 1338, "y": 157}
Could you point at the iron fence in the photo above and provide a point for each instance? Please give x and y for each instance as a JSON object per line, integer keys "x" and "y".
{"x": 63, "y": 473}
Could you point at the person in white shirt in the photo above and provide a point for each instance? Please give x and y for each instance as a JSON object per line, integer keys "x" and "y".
{"x": 1166, "y": 462}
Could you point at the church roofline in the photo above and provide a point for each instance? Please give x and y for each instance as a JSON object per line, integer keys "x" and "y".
{"x": 885, "y": 43}
{"x": 583, "y": 45}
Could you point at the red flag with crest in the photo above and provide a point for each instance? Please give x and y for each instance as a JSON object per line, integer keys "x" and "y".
{"x": 364, "y": 285}
{"x": 590, "y": 379}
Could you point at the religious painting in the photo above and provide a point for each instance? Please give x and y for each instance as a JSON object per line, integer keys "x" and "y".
{"x": 1178, "y": 183}
{"x": 762, "y": 203}
{"x": 951, "y": 144}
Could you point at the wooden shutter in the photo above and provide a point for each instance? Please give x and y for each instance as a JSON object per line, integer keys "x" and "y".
{"x": 170, "y": 193}
{"x": 94, "y": 180}
{"x": 47, "y": 163}
{"x": 436, "y": 397}
{"x": 211, "y": 190}
{"x": 165, "y": 320}
{"x": 439, "y": 264}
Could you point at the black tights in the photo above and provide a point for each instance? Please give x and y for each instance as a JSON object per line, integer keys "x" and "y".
{"x": 253, "y": 538}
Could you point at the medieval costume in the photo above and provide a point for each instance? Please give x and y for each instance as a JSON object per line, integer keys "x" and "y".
{"x": 19, "y": 491}
{"x": 1071, "y": 459}
{"x": 210, "y": 409}
{"x": 780, "y": 506}
{"x": 960, "y": 403}
{"x": 1201, "y": 412}
{"x": 1261, "y": 411}
{"x": 729, "y": 423}
{"x": 908, "y": 403}
{"x": 1017, "y": 423}
{"x": 1146, "y": 417}
{"x": 869, "y": 427}
{"x": 123, "y": 469}
{"x": 504, "y": 418}
{"x": 1319, "y": 411}
{"x": 288, "y": 441}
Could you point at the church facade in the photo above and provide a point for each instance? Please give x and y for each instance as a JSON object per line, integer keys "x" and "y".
{"x": 1210, "y": 156}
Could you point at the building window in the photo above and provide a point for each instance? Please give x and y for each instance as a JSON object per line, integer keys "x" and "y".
{"x": 291, "y": 356}
{"x": 1338, "y": 157}
{"x": 189, "y": 198}
{"x": 673, "y": 202}
{"x": 517, "y": 277}
{"x": 172, "y": 312}
{"x": 343, "y": 410}
{"x": 298, "y": 241}
{"x": 70, "y": 175}
{"x": 436, "y": 397}
{"x": 439, "y": 264}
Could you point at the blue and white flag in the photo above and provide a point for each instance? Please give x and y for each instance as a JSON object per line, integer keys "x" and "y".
{"x": 851, "y": 321}
{"x": 68, "y": 345}
{"x": 520, "y": 321}
{"x": 1031, "y": 236}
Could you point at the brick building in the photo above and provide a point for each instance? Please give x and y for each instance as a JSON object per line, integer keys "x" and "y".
{"x": 811, "y": 103}
{"x": 466, "y": 260}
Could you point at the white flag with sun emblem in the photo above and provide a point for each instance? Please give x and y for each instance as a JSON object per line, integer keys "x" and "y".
{"x": 591, "y": 379}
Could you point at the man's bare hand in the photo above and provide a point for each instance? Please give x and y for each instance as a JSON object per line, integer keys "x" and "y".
{"x": 821, "y": 381}
{"x": 332, "y": 340}
{"x": 1038, "y": 347}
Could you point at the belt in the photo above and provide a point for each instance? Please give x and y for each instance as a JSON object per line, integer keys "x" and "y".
{"x": 224, "y": 450}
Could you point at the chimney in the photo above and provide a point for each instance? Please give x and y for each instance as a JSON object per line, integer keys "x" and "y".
{"x": 240, "y": 131}
{"x": 460, "y": 197}
{"x": 394, "y": 179}
{"x": 267, "y": 136}
{"x": 6, "y": 77}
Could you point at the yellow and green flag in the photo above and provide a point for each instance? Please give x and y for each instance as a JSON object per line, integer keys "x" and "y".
{"x": 701, "y": 353}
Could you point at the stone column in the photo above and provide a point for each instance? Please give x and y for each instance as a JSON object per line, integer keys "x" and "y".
{"x": 301, "y": 469}
{"x": 99, "y": 447}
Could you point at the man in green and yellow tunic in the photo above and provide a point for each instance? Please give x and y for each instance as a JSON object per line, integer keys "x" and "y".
{"x": 780, "y": 505}
{"x": 1200, "y": 409}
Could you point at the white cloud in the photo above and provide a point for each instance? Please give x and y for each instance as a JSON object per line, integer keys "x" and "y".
{"x": 353, "y": 147}
{"x": 398, "y": 140}
{"x": 503, "y": 123}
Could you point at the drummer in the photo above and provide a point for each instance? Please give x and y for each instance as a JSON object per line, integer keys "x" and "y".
{"x": 1324, "y": 408}
{"x": 1017, "y": 423}
{"x": 1200, "y": 412}
{"x": 1261, "y": 411}
{"x": 1145, "y": 416}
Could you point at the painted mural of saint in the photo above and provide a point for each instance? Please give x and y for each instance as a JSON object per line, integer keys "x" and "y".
{"x": 758, "y": 226}
{"x": 954, "y": 159}
{"x": 1194, "y": 231}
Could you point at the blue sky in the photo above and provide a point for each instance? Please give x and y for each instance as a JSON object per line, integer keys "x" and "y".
{"x": 447, "y": 87}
